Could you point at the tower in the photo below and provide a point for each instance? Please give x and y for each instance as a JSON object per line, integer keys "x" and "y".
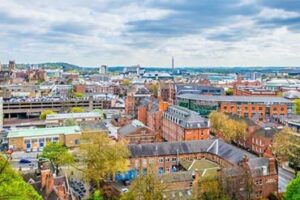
{"x": 103, "y": 69}
{"x": 11, "y": 65}
{"x": 173, "y": 64}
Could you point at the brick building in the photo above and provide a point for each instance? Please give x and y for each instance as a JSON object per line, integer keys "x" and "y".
{"x": 136, "y": 132}
{"x": 253, "y": 91}
{"x": 166, "y": 158}
{"x": 36, "y": 139}
{"x": 244, "y": 106}
{"x": 179, "y": 124}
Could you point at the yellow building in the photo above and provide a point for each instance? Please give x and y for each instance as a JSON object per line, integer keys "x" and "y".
{"x": 35, "y": 139}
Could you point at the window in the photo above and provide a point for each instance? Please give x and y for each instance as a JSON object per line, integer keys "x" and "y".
{"x": 161, "y": 160}
{"x": 144, "y": 161}
{"x": 160, "y": 170}
{"x": 167, "y": 159}
{"x": 77, "y": 141}
{"x": 174, "y": 159}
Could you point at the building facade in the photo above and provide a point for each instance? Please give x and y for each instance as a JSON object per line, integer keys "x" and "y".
{"x": 180, "y": 124}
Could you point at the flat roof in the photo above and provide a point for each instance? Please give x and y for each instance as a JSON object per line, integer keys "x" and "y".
{"x": 254, "y": 99}
{"x": 32, "y": 132}
{"x": 73, "y": 115}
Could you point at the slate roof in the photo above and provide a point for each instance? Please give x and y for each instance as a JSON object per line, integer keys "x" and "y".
{"x": 214, "y": 146}
{"x": 130, "y": 128}
{"x": 185, "y": 117}
{"x": 245, "y": 99}
{"x": 197, "y": 89}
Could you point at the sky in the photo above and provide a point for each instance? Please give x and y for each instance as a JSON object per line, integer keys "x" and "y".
{"x": 150, "y": 32}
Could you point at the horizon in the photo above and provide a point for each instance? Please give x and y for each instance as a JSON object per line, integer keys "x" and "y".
{"x": 196, "y": 33}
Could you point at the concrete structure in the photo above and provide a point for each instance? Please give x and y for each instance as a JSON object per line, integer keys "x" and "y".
{"x": 59, "y": 119}
{"x": 35, "y": 139}
{"x": 180, "y": 124}
{"x": 245, "y": 106}
{"x": 14, "y": 107}
{"x": 103, "y": 69}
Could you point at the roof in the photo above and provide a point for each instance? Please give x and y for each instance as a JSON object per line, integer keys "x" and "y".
{"x": 185, "y": 117}
{"x": 246, "y": 99}
{"x": 130, "y": 128}
{"x": 292, "y": 94}
{"x": 216, "y": 146}
{"x": 73, "y": 115}
{"x": 198, "y": 89}
{"x": 33, "y": 132}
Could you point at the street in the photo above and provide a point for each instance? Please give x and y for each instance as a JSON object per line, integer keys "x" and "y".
{"x": 284, "y": 177}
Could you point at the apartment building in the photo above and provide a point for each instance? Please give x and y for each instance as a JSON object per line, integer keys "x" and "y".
{"x": 244, "y": 106}
{"x": 180, "y": 124}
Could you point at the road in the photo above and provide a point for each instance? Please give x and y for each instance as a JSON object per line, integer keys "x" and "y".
{"x": 284, "y": 177}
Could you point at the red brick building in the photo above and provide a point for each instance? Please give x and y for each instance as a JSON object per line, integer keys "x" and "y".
{"x": 237, "y": 167}
{"x": 136, "y": 132}
{"x": 179, "y": 124}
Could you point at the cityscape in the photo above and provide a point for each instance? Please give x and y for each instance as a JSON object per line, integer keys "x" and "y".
{"x": 150, "y": 100}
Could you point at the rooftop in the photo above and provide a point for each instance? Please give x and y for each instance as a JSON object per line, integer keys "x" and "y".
{"x": 73, "y": 115}
{"x": 30, "y": 132}
{"x": 254, "y": 99}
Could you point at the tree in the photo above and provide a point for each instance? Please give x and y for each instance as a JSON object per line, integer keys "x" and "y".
{"x": 70, "y": 122}
{"x": 153, "y": 88}
{"x": 228, "y": 128}
{"x": 297, "y": 106}
{"x": 103, "y": 157}
{"x": 12, "y": 185}
{"x": 229, "y": 92}
{"x": 77, "y": 110}
{"x": 286, "y": 146}
{"x": 211, "y": 188}
{"x": 44, "y": 113}
{"x": 57, "y": 154}
{"x": 126, "y": 82}
{"x": 97, "y": 195}
{"x": 70, "y": 93}
{"x": 146, "y": 186}
{"x": 293, "y": 189}
{"x": 78, "y": 95}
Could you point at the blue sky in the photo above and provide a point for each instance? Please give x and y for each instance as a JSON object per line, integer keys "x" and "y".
{"x": 150, "y": 32}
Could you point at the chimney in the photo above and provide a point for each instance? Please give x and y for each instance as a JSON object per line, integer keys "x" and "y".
{"x": 44, "y": 174}
{"x": 272, "y": 166}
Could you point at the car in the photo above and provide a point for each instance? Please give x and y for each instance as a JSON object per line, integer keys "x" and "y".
{"x": 123, "y": 190}
{"x": 24, "y": 161}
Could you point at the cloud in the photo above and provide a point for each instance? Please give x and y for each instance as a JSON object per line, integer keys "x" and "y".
{"x": 114, "y": 32}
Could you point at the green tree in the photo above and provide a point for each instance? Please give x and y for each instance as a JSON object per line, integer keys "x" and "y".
{"x": 297, "y": 106}
{"x": 146, "y": 187}
{"x": 229, "y": 129}
{"x": 293, "y": 189}
{"x": 153, "y": 88}
{"x": 97, "y": 195}
{"x": 78, "y": 95}
{"x": 102, "y": 156}
{"x": 229, "y": 92}
{"x": 70, "y": 93}
{"x": 12, "y": 185}
{"x": 58, "y": 155}
{"x": 286, "y": 146}
{"x": 77, "y": 110}
{"x": 44, "y": 113}
{"x": 70, "y": 122}
{"x": 126, "y": 82}
{"x": 211, "y": 188}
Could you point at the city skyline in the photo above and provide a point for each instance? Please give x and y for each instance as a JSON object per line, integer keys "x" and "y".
{"x": 196, "y": 33}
